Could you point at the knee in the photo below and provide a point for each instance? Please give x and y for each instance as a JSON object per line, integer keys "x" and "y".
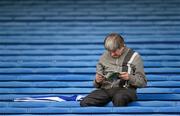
{"x": 120, "y": 100}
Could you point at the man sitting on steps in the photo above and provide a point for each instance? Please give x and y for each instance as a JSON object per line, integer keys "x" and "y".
{"x": 119, "y": 72}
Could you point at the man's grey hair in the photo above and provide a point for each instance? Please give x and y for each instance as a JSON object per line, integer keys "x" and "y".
{"x": 113, "y": 42}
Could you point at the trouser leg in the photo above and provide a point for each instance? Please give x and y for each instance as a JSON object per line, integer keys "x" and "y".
{"x": 96, "y": 98}
{"x": 123, "y": 96}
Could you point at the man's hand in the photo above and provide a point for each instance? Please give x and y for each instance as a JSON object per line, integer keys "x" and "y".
{"x": 124, "y": 75}
{"x": 99, "y": 78}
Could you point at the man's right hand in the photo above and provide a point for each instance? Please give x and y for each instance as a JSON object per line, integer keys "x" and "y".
{"x": 99, "y": 78}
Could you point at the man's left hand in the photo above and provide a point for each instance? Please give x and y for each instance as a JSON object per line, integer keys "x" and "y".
{"x": 124, "y": 75}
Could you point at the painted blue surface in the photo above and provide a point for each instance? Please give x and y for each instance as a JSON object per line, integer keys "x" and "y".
{"x": 51, "y": 47}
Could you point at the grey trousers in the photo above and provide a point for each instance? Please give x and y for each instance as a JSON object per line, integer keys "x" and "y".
{"x": 118, "y": 96}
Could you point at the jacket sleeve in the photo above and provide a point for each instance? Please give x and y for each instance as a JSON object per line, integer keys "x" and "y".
{"x": 99, "y": 70}
{"x": 138, "y": 79}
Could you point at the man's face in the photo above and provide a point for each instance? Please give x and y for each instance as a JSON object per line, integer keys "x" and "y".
{"x": 117, "y": 53}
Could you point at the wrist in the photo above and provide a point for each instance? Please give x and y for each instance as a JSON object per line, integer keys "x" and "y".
{"x": 131, "y": 79}
{"x": 97, "y": 81}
